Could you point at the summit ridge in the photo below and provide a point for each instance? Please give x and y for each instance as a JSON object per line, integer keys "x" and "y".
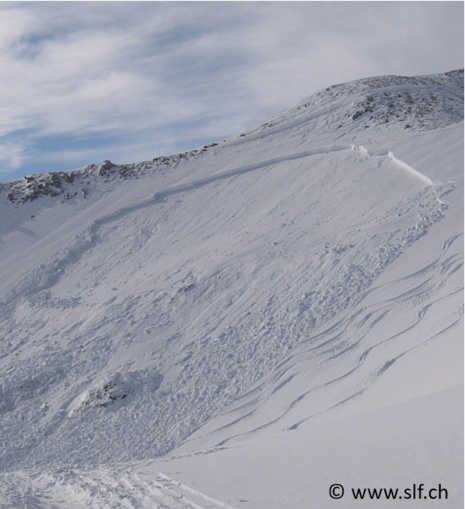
{"x": 242, "y": 306}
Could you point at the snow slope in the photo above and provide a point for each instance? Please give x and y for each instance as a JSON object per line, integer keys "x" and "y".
{"x": 246, "y": 324}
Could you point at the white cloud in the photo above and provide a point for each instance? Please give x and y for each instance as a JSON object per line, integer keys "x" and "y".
{"x": 12, "y": 156}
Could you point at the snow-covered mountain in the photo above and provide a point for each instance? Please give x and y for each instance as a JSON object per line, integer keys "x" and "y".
{"x": 259, "y": 318}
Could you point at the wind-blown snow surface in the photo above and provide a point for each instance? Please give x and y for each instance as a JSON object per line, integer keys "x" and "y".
{"x": 288, "y": 300}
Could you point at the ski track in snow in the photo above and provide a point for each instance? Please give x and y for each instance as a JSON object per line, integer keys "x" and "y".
{"x": 292, "y": 316}
{"x": 100, "y": 489}
{"x": 354, "y": 278}
{"x": 423, "y": 286}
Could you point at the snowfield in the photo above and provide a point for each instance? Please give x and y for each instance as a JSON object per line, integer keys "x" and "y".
{"x": 246, "y": 324}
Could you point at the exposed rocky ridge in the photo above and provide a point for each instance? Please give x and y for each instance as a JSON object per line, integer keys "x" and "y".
{"x": 373, "y": 102}
{"x": 419, "y": 103}
{"x": 263, "y": 283}
{"x": 72, "y": 183}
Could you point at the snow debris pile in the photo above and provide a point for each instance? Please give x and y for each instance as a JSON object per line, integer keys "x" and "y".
{"x": 115, "y": 389}
{"x": 301, "y": 279}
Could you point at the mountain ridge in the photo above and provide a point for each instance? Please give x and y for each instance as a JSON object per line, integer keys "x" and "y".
{"x": 394, "y": 103}
{"x": 249, "y": 288}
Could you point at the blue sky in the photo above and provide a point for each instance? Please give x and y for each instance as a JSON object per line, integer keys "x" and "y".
{"x": 82, "y": 82}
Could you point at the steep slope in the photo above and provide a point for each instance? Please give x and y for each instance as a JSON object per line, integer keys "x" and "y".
{"x": 309, "y": 264}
